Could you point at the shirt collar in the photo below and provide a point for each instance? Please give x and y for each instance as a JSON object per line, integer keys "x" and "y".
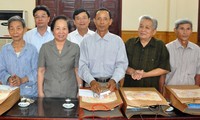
{"x": 10, "y": 47}
{"x": 151, "y": 42}
{"x": 106, "y": 37}
{"x": 52, "y": 43}
{"x": 178, "y": 45}
{"x": 48, "y": 31}
{"x": 77, "y": 33}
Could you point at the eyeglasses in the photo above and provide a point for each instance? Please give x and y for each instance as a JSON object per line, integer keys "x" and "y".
{"x": 41, "y": 17}
{"x": 81, "y": 18}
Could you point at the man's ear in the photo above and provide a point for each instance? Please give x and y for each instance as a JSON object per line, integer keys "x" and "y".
{"x": 49, "y": 19}
{"x": 111, "y": 20}
{"x": 89, "y": 20}
{"x": 175, "y": 30}
{"x": 154, "y": 32}
{"x": 25, "y": 29}
{"x": 94, "y": 20}
{"x": 74, "y": 22}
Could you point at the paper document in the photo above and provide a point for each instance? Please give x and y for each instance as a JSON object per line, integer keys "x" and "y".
{"x": 187, "y": 93}
{"x": 142, "y": 95}
{"x": 86, "y": 93}
{"x": 5, "y": 91}
{"x": 88, "y": 96}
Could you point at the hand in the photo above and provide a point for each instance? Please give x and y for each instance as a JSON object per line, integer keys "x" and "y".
{"x": 18, "y": 80}
{"x": 14, "y": 80}
{"x": 111, "y": 85}
{"x": 95, "y": 87}
{"x": 137, "y": 75}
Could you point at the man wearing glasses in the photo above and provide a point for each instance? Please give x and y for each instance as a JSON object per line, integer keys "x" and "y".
{"x": 42, "y": 32}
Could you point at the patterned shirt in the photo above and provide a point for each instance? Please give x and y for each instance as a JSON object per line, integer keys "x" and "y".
{"x": 153, "y": 55}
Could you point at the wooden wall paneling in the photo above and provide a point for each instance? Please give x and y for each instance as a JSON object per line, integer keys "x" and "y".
{"x": 91, "y": 6}
{"x": 128, "y": 34}
{"x": 67, "y": 7}
{"x": 115, "y": 7}
{"x": 165, "y": 36}
{"x": 52, "y": 5}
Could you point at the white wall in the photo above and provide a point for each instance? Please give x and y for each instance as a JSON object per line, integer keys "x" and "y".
{"x": 183, "y": 9}
{"x": 27, "y": 5}
{"x": 165, "y": 11}
{"x": 133, "y": 9}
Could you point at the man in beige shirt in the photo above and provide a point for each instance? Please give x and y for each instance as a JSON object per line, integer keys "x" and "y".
{"x": 184, "y": 57}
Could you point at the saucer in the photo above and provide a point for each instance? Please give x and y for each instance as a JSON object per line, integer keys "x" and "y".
{"x": 169, "y": 109}
{"x": 68, "y": 105}
{"x": 23, "y": 104}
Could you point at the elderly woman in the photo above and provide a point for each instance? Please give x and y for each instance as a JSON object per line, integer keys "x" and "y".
{"x": 18, "y": 60}
{"x": 148, "y": 57}
{"x": 58, "y": 62}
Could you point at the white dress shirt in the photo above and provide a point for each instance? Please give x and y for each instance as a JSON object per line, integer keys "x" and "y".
{"x": 75, "y": 37}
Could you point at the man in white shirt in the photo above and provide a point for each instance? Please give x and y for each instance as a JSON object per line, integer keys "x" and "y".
{"x": 81, "y": 19}
{"x": 42, "y": 32}
{"x": 184, "y": 57}
{"x": 103, "y": 59}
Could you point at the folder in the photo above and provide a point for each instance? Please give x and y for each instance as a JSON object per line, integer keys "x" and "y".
{"x": 143, "y": 101}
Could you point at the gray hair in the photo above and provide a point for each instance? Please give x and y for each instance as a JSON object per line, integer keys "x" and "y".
{"x": 16, "y": 18}
{"x": 153, "y": 20}
{"x": 182, "y": 21}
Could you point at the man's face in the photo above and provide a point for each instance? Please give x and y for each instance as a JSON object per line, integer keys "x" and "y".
{"x": 183, "y": 32}
{"x": 146, "y": 30}
{"x": 102, "y": 21}
{"x": 41, "y": 18}
{"x": 81, "y": 21}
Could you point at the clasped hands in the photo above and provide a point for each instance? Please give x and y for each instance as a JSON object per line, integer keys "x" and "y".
{"x": 97, "y": 88}
{"x": 137, "y": 74}
{"x": 14, "y": 80}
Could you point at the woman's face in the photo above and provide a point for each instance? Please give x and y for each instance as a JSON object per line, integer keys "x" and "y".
{"x": 16, "y": 30}
{"x": 60, "y": 30}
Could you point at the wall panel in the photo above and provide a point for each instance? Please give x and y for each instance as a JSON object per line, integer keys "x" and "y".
{"x": 162, "y": 35}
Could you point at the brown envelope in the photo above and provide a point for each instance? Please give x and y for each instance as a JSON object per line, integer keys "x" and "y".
{"x": 181, "y": 102}
{"x": 104, "y": 109}
{"x": 145, "y": 101}
{"x": 12, "y": 98}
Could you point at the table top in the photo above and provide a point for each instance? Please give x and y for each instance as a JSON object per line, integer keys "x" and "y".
{"x": 47, "y": 107}
{"x": 52, "y": 108}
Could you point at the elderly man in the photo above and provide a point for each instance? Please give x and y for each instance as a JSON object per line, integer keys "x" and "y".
{"x": 184, "y": 57}
{"x": 148, "y": 57}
